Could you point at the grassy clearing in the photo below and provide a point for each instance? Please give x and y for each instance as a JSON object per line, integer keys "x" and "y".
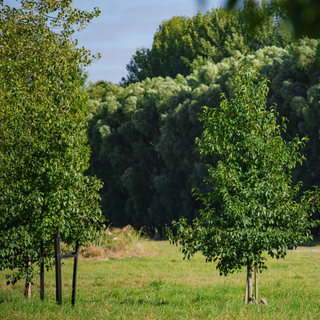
{"x": 166, "y": 287}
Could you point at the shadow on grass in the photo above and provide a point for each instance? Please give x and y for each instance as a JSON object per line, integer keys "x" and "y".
{"x": 141, "y": 301}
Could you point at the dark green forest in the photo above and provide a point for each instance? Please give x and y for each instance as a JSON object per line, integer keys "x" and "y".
{"x": 142, "y": 132}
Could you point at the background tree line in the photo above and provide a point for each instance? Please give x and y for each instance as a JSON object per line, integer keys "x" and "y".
{"x": 142, "y": 133}
{"x": 216, "y": 35}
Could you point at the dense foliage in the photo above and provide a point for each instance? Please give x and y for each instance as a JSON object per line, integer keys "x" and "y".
{"x": 301, "y": 16}
{"x": 210, "y": 37}
{"x": 142, "y": 135}
{"x": 252, "y": 182}
{"x": 43, "y": 151}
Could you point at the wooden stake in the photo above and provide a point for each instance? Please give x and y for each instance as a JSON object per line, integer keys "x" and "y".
{"x": 41, "y": 273}
{"x": 256, "y": 282}
{"x": 28, "y": 283}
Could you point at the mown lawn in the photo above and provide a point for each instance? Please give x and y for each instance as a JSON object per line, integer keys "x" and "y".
{"x": 166, "y": 287}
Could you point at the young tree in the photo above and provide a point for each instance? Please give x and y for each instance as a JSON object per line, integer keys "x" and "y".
{"x": 43, "y": 151}
{"x": 253, "y": 206}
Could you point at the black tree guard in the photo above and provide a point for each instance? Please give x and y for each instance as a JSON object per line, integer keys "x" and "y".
{"x": 58, "y": 258}
{"x": 41, "y": 273}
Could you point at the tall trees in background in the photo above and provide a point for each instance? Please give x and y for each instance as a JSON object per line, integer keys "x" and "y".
{"x": 214, "y": 36}
{"x": 301, "y": 16}
{"x": 43, "y": 151}
{"x": 142, "y": 135}
{"x": 135, "y": 150}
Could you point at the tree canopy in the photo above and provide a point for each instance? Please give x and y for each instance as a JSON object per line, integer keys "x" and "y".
{"x": 142, "y": 135}
{"x": 43, "y": 151}
{"x": 216, "y": 35}
{"x": 258, "y": 211}
{"x": 301, "y": 16}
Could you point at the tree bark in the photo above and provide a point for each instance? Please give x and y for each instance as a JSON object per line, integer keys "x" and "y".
{"x": 249, "y": 282}
{"x": 246, "y": 294}
{"x": 28, "y": 283}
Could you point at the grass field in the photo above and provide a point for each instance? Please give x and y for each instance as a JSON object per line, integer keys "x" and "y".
{"x": 164, "y": 286}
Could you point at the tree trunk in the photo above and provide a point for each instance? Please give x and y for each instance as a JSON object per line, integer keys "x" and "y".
{"x": 249, "y": 282}
{"x": 28, "y": 283}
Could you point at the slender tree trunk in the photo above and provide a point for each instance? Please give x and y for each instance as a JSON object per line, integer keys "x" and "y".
{"x": 28, "y": 283}
{"x": 156, "y": 233}
{"x": 246, "y": 294}
{"x": 249, "y": 282}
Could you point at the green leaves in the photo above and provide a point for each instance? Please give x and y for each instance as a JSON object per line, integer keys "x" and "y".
{"x": 43, "y": 151}
{"x": 182, "y": 44}
{"x": 157, "y": 140}
{"x": 301, "y": 17}
{"x": 258, "y": 209}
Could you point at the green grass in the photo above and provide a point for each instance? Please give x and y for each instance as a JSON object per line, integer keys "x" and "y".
{"x": 166, "y": 287}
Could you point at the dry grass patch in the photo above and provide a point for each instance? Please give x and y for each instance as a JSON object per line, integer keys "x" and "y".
{"x": 116, "y": 243}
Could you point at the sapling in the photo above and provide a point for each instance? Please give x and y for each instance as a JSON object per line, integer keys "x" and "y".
{"x": 253, "y": 208}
